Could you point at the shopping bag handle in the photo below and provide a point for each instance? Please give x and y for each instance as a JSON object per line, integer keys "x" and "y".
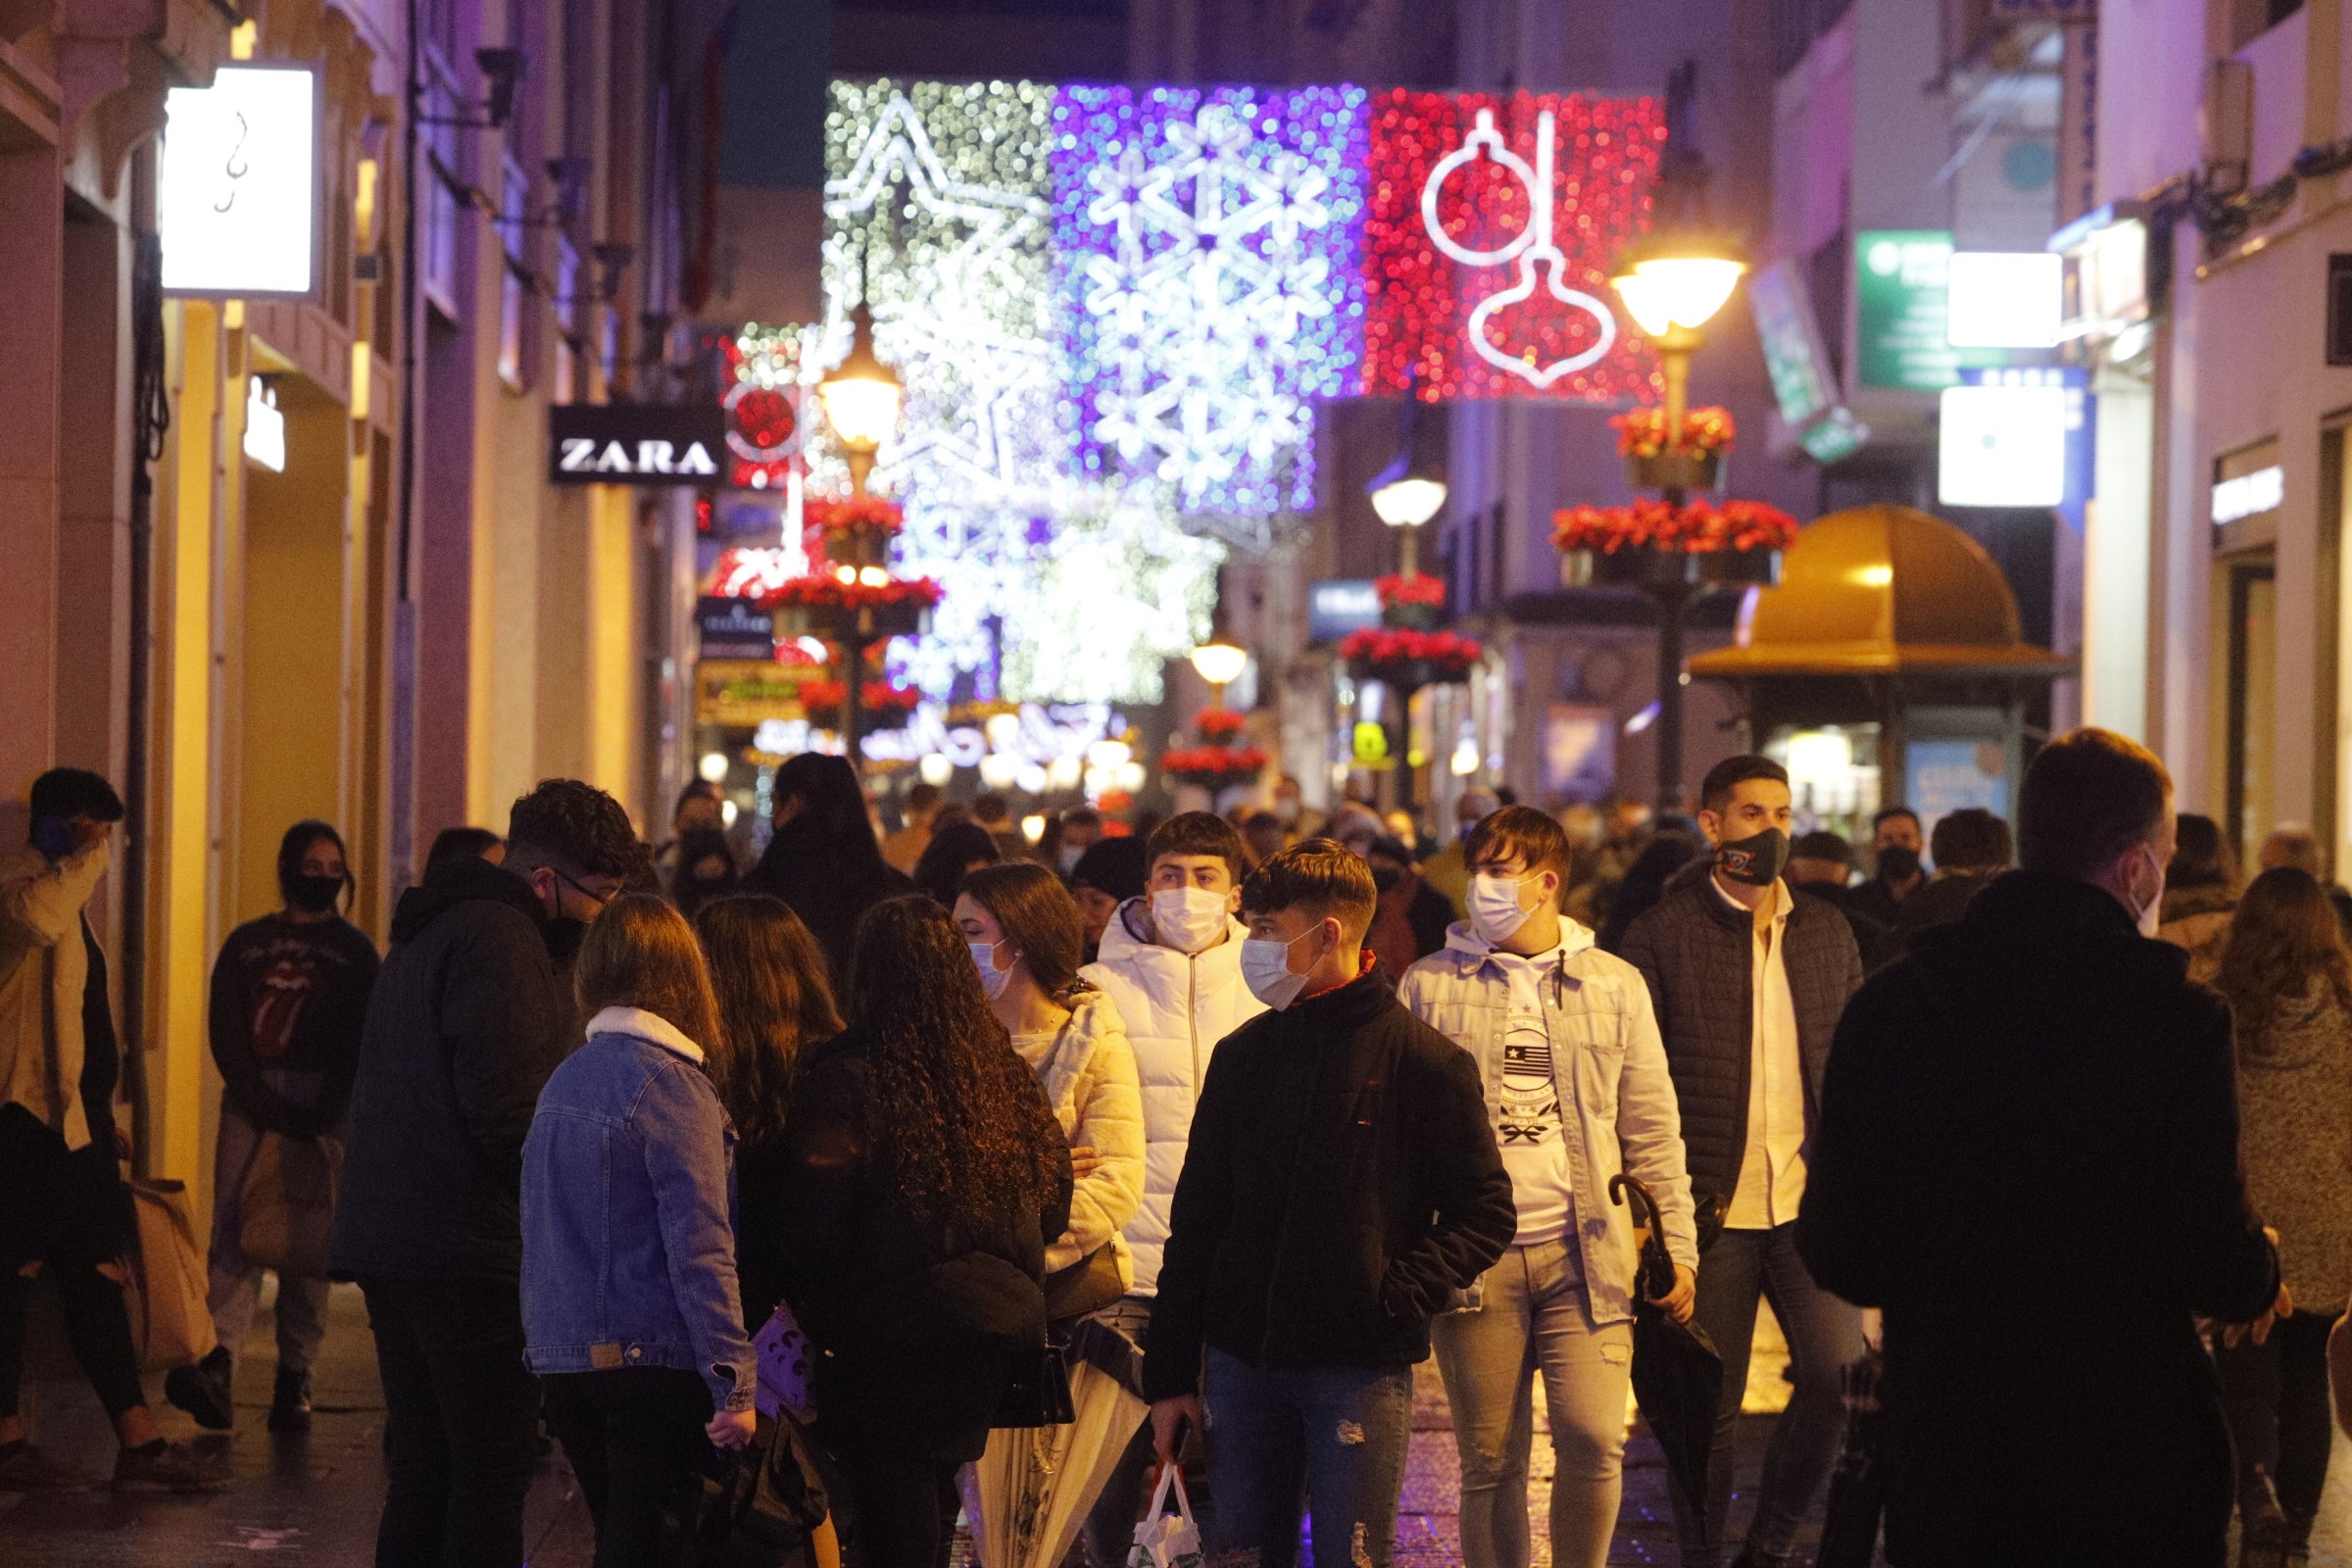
{"x": 1171, "y": 1475}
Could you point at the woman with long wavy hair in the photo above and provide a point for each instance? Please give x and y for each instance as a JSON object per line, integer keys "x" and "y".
{"x": 2289, "y": 977}
{"x": 927, "y": 1173}
{"x": 775, "y": 1005}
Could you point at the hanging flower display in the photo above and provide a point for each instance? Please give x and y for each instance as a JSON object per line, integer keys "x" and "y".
{"x": 1404, "y": 657}
{"x": 881, "y": 705}
{"x": 1641, "y": 433}
{"x": 1419, "y": 589}
{"x": 830, "y": 512}
{"x": 1213, "y": 767}
{"x": 831, "y": 591}
{"x": 1219, "y": 725}
{"x": 1695, "y": 527}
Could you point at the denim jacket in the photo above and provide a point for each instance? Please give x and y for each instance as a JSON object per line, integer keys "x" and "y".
{"x": 1609, "y": 1068}
{"x": 628, "y": 1214}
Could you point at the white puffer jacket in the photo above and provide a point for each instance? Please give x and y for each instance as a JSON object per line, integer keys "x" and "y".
{"x": 1088, "y": 1074}
{"x": 1176, "y": 1009}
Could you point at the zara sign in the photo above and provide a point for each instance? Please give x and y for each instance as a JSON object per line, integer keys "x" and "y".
{"x": 635, "y": 443}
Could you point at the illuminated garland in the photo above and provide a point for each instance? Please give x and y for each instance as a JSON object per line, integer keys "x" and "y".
{"x": 1205, "y": 254}
{"x": 1533, "y": 281}
{"x": 1697, "y": 527}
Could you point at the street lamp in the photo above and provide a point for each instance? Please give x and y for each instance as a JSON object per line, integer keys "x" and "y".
{"x": 861, "y": 399}
{"x": 1407, "y": 493}
{"x": 1672, "y": 281}
{"x": 1220, "y": 664}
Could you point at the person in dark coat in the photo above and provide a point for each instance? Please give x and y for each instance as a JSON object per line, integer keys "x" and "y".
{"x": 926, "y": 1172}
{"x": 2028, "y": 1157}
{"x": 1749, "y": 978}
{"x": 470, "y": 1013}
{"x": 1897, "y": 844}
{"x": 1107, "y": 875}
{"x": 1341, "y": 1187}
{"x": 1821, "y": 862}
{"x": 1644, "y": 885}
{"x": 1971, "y": 847}
{"x": 824, "y": 860}
{"x": 955, "y": 851}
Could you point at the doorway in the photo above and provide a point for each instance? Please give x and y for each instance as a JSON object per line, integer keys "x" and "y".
{"x": 2250, "y": 795}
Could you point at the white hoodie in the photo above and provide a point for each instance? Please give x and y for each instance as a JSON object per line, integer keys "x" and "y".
{"x": 1176, "y": 1008}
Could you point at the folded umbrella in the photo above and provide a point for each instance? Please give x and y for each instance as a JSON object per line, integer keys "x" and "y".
{"x": 1849, "y": 1531}
{"x": 1677, "y": 1374}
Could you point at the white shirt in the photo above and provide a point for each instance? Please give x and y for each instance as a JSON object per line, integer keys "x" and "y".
{"x": 1528, "y": 1126}
{"x": 1771, "y": 1168}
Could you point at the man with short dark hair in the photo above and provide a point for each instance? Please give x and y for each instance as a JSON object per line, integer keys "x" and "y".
{"x": 1748, "y": 979}
{"x": 64, "y": 1210}
{"x": 470, "y": 1013}
{"x": 1821, "y": 864}
{"x": 1971, "y": 847}
{"x": 1341, "y": 1186}
{"x": 1577, "y": 1086}
{"x": 1895, "y": 873}
{"x": 2028, "y": 1159}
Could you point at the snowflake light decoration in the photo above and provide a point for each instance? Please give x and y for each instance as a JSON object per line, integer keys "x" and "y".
{"x": 1205, "y": 256}
{"x": 937, "y": 210}
{"x": 1120, "y": 578}
{"x": 1492, "y": 225}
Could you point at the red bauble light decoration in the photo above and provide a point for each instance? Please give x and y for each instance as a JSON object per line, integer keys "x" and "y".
{"x": 1419, "y": 301}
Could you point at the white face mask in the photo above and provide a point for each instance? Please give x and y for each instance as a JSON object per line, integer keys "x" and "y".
{"x": 992, "y": 980}
{"x": 2151, "y": 917}
{"x": 1495, "y": 913}
{"x": 1267, "y": 971}
{"x": 1071, "y": 855}
{"x": 1187, "y": 919}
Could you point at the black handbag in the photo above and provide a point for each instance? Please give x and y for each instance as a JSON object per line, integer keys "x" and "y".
{"x": 762, "y": 1505}
{"x": 1038, "y": 1393}
{"x": 1087, "y": 1286}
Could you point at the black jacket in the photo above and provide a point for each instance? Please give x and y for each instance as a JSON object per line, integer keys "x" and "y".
{"x": 2028, "y": 1156}
{"x": 466, "y": 1021}
{"x": 1943, "y": 901}
{"x": 1697, "y": 951}
{"x": 1340, "y": 1183}
{"x": 290, "y": 997}
{"x": 829, "y": 883}
{"x": 920, "y": 1319}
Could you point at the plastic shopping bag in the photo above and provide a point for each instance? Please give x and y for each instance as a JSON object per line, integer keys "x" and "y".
{"x": 787, "y": 1368}
{"x": 1167, "y": 1539}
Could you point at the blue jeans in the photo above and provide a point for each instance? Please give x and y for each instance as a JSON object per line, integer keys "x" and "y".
{"x": 1825, "y": 1335}
{"x": 1344, "y": 1429}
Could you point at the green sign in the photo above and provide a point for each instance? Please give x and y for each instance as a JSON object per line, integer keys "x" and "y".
{"x": 1792, "y": 351}
{"x": 1834, "y": 436}
{"x": 1901, "y": 290}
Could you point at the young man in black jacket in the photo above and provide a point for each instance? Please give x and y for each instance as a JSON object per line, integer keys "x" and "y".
{"x": 2028, "y": 1159}
{"x": 1341, "y": 1185}
{"x": 470, "y": 1013}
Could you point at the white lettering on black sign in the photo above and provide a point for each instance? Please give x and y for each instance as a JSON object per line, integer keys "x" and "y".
{"x": 581, "y": 455}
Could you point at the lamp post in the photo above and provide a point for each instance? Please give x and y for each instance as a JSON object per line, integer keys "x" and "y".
{"x": 860, "y": 398}
{"x": 1220, "y": 664}
{"x": 1407, "y": 493}
{"x": 1672, "y": 281}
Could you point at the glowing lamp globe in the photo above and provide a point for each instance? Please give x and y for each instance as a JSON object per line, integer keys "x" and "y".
{"x": 1663, "y": 292}
{"x": 1219, "y": 664}
{"x": 1410, "y": 502}
{"x": 862, "y": 395}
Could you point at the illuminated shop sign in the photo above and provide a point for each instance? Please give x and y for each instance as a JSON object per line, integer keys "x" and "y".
{"x": 237, "y": 198}
{"x": 264, "y": 426}
{"x": 635, "y": 443}
{"x": 2247, "y": 483}
{"x": 2002, "y": 446}
{"x": 2005, "y": 299}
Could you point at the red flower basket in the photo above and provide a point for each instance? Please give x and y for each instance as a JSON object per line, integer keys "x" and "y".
{"x": 1213, "y": 767}
{"x": 853, "y": 512}
{"x": 1219, "y": 725}
{"x": 1696, "y": 528}
{"x": 1403, "y": 656}
{"x": 881, "y": 705}
{"x": 1419, "y": 589}
{"x": 1706, "y": 433}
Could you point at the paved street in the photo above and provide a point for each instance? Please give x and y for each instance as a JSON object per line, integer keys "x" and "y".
{"x": 314, "y": 1502}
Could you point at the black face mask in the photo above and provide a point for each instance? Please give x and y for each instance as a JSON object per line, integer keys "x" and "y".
{"x": 1897, "y": 863}
{"x": 314, "y": 895}
{"x": 1384, "y": 878}
{"x": 563, "y": 938}
{"x": 1755, "y": 861}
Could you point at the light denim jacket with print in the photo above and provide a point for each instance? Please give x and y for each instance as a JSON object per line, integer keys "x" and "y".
{"x": 1610, "y": 1066}
{"x": 628, "y": 1214}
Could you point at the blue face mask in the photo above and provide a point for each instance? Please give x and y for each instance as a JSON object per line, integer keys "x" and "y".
{"x": 992, "y": 980}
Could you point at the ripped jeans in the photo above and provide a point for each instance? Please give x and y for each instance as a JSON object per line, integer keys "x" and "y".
{"x": 1533, "y": 1326}
{"x": 1342, "y": 1430}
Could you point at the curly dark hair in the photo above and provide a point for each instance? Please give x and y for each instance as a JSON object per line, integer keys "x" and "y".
{"x": 574, "y": 828}
{"x": 951, "y": 1108}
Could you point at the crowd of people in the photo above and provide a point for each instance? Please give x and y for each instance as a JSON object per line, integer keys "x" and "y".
{"x": 1073, "y": 1157}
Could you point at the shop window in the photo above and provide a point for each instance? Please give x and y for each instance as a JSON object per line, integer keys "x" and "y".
{"x": 1833, "y": 775}
{"x": 514, "y": 290}
{"x": 2253, "y": 705}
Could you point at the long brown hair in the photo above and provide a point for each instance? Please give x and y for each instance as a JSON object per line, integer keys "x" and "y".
{"x": 1037, "y": 916}
{"x": 951, "y": 1113}
{"x": 2284, "y": 934}
{"x": 640, "y": 953}
{"x": 775, "y": 1001}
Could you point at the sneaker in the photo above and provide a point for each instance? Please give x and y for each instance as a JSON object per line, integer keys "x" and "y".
{"x": 290, "y": 1403}
{"x": 202, "y": 1390}
{"x": 25, "y": 1468}
{"x": 163, "y": 1466}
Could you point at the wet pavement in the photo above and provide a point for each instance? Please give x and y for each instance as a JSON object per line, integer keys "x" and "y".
{"x": 312, "y": 1501}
